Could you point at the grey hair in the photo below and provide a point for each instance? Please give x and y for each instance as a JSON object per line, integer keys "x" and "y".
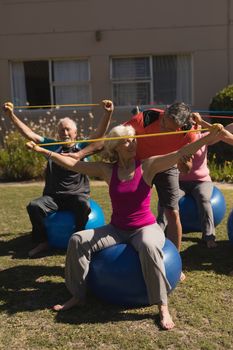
{"x": 110, "y": 146}
{"x": 180, "y": 113}
{"x": 66, "y": 119}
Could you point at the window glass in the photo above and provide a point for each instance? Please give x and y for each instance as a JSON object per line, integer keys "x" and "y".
{"x": 169, "y": 79}
{"x": 70, "y": 71}
{"x": 164, "y": 79}
{"x": 72, "y": 94}
{"x": 39, "y": 83}
{"x": 131, "y": 94}
{"x": 131, "y": 81}
{"x": 131, "y": 68}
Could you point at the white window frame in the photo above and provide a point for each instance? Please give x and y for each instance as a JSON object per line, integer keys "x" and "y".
{"x": 151, "y": 81}
{"x": 76, "y": 83}
{"x": 115, "y": 81}
{"x": 52, "y": 83}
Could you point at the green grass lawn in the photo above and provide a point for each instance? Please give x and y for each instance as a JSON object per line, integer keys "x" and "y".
{"x": 201, "y": 306}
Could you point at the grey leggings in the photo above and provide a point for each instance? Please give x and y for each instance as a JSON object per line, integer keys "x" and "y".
{"x": 201, "y": 192}
{"x": 147, "y": 241}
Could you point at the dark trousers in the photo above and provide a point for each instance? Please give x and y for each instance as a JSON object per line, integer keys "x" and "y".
{"x": 40, "y": 207}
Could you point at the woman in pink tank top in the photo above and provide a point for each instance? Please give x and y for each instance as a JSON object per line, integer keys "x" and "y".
{"x": 198, "y": 182}
{"x": 132, "y": 220}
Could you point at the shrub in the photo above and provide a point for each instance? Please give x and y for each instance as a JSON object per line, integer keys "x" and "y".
{"x": 220, "y": 172}
{"x": 17, "y": 163}
{"x": 222, "y": 101}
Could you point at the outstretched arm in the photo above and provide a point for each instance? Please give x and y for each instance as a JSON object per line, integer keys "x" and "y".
{"x": 97, "y": 169}
{"x": 197, "y": 118}
{"x": 157, "y": 164}
{"x": 27, "y": 132}
{"x": 95, "y": 147}
{"x": 108, "y": 108}
{"x": 226, "y": 135}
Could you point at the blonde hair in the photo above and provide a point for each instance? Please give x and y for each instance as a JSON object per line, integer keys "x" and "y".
{"x": 110, "y": 146}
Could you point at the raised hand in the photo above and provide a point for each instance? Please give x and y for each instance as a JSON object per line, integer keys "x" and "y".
{"x": 8, "y": 108}
{"x": 108, "y": 105}
{"x": 216, "y": 128}
{"x": 196, "y": 117}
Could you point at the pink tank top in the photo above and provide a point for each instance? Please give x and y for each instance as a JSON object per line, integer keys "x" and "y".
{"x": 200, "y": 170}
{"x": 130, "y": 200}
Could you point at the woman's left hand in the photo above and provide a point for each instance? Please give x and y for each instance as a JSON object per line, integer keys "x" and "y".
{"x": 33, "y": 146}
{"x": 216, "y": 128}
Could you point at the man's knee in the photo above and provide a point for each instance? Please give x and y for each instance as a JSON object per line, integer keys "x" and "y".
{"x": 32, "y": 206}
{"x": 75, "y": 239}
{"x": 35, "y": 207}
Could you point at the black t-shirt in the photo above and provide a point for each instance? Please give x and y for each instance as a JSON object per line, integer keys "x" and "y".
{"x": 61, "y": 181}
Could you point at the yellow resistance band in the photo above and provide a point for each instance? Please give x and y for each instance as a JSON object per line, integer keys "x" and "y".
{"x": 120, "y": 137}
{"x": 58, "y": 106}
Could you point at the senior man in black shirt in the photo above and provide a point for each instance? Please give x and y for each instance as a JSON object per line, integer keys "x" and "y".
{"x": 64, "y": 189}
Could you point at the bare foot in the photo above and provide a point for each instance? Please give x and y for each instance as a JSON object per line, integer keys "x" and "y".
{"x": 38, "y": 249}
{"x": 68, "y": 304}
{"x": 211, "y": 244}
{"x": 165, "y": 318}
{"x": 182, "y": 276}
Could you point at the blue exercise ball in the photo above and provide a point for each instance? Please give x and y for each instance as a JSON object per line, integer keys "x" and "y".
{"x": 115, "y": 274}
{"x": 230, "y": 226}
{"x": 60, "y": 225}
{"x": 96, "y": 216}
{"x": 189, "y": 216}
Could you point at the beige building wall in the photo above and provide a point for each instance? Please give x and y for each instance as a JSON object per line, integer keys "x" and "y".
{"x": 50, "y": 29}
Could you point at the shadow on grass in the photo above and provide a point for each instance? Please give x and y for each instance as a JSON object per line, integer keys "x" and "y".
{"x": 197, "y": 257}
{"x": 38, "y": 287}
{"x": 96, "y": 311}
{"x": 18, "y": 247}
{"x": 30, "y": 288}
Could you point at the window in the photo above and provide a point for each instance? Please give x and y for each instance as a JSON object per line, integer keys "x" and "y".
{"x": 50, "y": 82}
{"x": 157, "y": 80}
{"x": 131, "y": 81}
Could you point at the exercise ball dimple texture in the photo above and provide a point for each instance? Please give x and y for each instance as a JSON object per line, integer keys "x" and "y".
{"x": 61, "y": 225}
{"x": 230, "y": 226}
{"x": 115, "y": 274}
{"x": 189, "y": 212}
